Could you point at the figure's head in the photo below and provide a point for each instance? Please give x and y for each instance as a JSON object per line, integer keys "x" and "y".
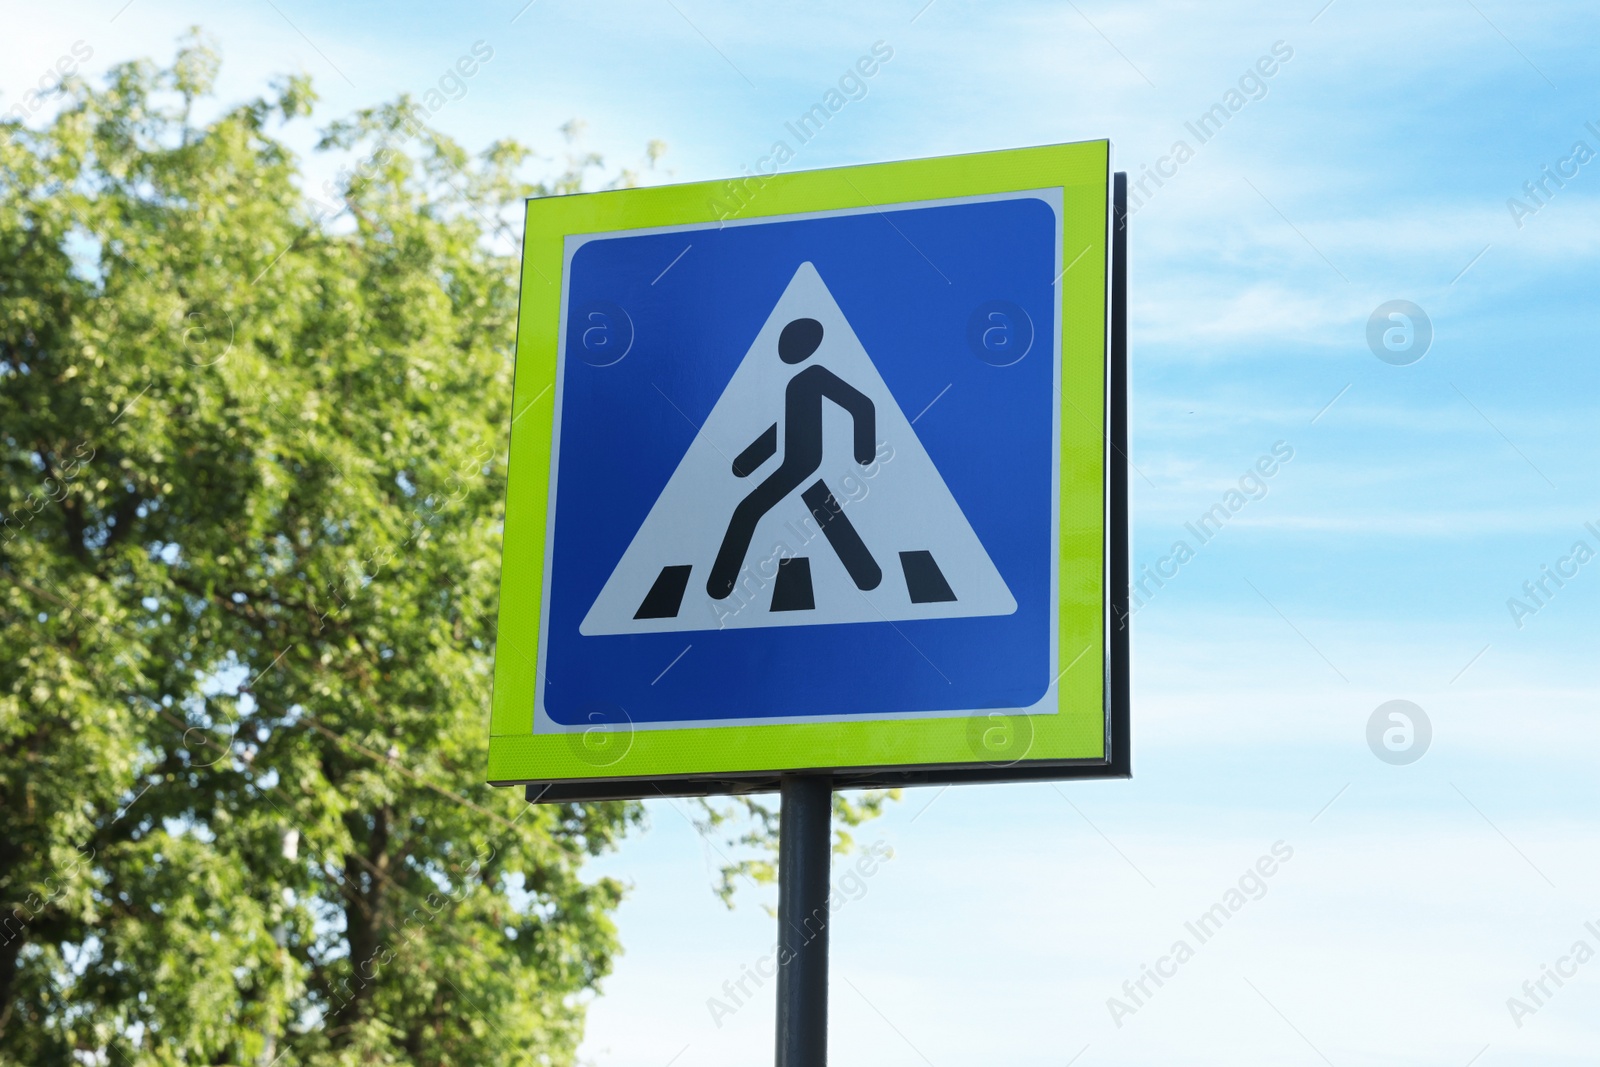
{"x": 798, "y": 340}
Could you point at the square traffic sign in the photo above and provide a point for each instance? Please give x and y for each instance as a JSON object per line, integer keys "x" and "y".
{"x": 818, "y": 483}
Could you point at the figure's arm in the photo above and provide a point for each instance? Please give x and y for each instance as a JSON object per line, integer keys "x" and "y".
{"x": 862, "y": 413}
{"x": 760, "y": 450}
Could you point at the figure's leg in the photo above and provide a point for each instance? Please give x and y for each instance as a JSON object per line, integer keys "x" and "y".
{"x": 841, "y": 534}
{"x": 742, "y": 528}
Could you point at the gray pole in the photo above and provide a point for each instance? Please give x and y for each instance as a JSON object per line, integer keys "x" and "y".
{"x": 805, "y": 843}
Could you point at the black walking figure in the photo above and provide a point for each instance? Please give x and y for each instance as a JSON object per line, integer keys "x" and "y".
{"x": 802, "y": 455}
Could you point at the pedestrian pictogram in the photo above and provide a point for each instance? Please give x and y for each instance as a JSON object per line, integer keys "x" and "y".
{"x": 806, "y": 498}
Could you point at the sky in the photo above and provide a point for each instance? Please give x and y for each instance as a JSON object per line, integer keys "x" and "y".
{"x": 1409, "y": 902}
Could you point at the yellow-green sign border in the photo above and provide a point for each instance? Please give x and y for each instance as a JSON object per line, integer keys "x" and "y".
{"x": 1076, "y": 734}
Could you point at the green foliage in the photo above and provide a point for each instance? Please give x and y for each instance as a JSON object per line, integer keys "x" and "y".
{"x": 251, "y": 487}
{"x": 251, "y": 473}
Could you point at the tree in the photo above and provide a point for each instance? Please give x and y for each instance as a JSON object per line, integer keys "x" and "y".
{"x": 251, "y": 518}
{"x": 252, "y": 453}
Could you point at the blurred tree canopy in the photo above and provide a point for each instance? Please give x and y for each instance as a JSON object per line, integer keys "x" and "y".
{"x": 253, "y": 470}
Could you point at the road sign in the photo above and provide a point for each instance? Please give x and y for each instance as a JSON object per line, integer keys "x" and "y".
{"x": 813, "y": 472}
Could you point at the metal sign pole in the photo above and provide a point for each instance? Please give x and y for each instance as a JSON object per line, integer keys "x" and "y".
{"x": 805, "y": 841}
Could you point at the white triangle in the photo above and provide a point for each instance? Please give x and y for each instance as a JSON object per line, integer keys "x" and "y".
{"x": 899, "y": 504}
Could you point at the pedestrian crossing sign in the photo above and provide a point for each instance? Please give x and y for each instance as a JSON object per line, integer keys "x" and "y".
{"x": 813, "y": 472}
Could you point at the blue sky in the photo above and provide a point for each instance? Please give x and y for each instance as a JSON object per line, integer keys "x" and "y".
{"x": 1376, "y": 166}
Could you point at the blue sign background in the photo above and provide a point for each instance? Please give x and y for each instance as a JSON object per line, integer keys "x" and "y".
{"x": 909, "y": 282}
